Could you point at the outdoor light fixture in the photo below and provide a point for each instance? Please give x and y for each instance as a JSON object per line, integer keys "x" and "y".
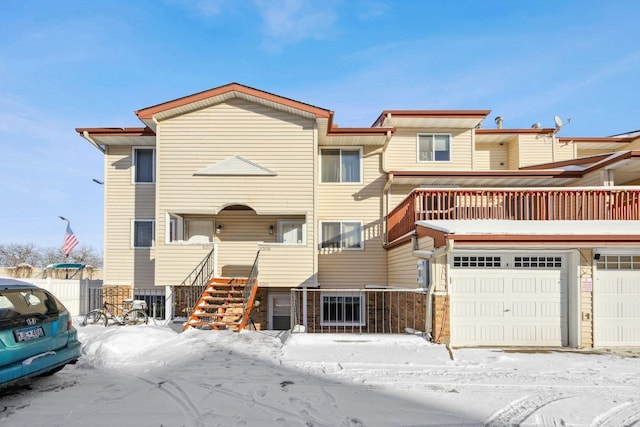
{"x": 596, "y": 256}
{"x": 63, "y": 218}
{"x": 219, "y": 229}
{"x": 97, "y": 181}
{"x": 271, "y": 229}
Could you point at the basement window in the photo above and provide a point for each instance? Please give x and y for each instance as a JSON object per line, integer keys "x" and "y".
{"x": 342, "y": 310}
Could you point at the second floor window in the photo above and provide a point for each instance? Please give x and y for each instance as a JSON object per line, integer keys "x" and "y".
{"x": 340, "y": 165}
{"x": 434, "y": 147}
{"x": 144, "y": 165}
{"x": 143, "y": 233}
{"x": 341, "y": 235}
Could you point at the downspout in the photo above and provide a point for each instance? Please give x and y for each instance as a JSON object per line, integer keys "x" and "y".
{"x": 440, "y": 252}
{"x": 387, "y": 185}
{"x": 86, "y": 136}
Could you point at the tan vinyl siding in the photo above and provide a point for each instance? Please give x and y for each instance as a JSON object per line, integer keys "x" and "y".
{"x": 514, "y": 155}
{"x": 491, "y": 156}
{"x": 286, "y": 266}
{"x": 355, "y": 202}
{"x": 592, "y": 179}
{"x": 278, "y": 141}
{"x": 564, "y": 151}
{"x": 402, "y": 266}
{"x": 402, "y": 150}
{"x": 176, "y": 261}
{"x": 124, "y": 202}
{"x": 535, "y": 149}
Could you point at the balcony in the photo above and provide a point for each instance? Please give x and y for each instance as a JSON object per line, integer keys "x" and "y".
{"x": 620, "y": 203}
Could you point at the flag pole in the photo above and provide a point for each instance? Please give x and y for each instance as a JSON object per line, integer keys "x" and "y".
{"x": 66, "y": 255}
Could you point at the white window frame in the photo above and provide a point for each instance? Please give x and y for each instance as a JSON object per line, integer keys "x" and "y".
{"x": 342, "y": 221}
{"x": 134, "y": 165}
{"x": 133, "y": 233}
{"x": 360, "y": 181}
{"x": 418, "y": 135}
{"x": 360, "y": 322}
{"x": 283, "y": 222}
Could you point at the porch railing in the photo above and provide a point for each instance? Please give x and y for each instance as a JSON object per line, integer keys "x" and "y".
{"x": 513, "y": 204}
{"x": 362, "y": 311}
{"x": 251, "y": 282}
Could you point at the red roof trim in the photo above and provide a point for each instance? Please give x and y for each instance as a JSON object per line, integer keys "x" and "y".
{"x": 580, "y": 161}
{"x": 335, "y": 131}
{"x": 117, "y": 131}
{"x": 488, "y": 174}
{"x": 454, "y": 114}
{"x": 514, "y": 131}
{"x": 147, "y": 113}
{"x": 614, "y": 139}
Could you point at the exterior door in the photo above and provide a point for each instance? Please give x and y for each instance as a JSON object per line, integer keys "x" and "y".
{"x": 279, "y": 311}
{"x": 508, "y": 300}
{"x": 617, "y": 301}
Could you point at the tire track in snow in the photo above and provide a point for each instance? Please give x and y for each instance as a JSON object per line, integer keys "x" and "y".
{"x": 178, "y": 396}
{"x": 625, "y": 415}
{"x": 519, "y": 410}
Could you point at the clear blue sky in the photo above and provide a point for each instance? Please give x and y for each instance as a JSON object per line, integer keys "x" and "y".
{"x": 67, "y": 64}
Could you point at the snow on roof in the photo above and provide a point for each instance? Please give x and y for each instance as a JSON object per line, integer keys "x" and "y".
{"x": 505, "y": 227}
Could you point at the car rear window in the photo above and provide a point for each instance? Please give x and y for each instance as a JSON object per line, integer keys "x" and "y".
{"x": 24, "y": 302}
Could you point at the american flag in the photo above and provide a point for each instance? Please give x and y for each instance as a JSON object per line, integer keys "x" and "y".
{"x": 70, "y": 241}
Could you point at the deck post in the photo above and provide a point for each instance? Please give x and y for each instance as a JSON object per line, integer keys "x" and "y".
{"x": 305, "y": 322}
{"x": 168, "y": 303}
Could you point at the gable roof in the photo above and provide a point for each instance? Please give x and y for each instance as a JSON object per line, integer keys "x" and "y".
{"x": 221, "y": 93}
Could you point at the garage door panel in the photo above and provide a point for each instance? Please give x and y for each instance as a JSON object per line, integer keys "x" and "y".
{"x": 492, "y": 333}
{"x": 524, "y": 309}
{"x": 511, "y": 306}
{"x": 491, "y": 309}
{"x": 520, "y": 285}
{"x": 491, "y": 286}
{"x": 524, "y": 333}
{"x": 617, "y": 301}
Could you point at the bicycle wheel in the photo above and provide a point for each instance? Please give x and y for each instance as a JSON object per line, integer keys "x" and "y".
{"x": 135, "y": 317}
{"x": 94, "y": 317}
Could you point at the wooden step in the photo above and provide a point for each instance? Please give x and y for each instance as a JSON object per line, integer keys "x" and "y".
{"x": 212, "y": 298}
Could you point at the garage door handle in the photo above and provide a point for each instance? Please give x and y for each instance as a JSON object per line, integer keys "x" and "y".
{"x": 506, "y": 310}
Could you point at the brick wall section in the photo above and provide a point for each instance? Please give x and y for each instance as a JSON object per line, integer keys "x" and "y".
{"x": 116, "y": 295}
{"x": 441, "y": 316}
{"x": 586, "y": 299}
{"x": 385, "y": 312}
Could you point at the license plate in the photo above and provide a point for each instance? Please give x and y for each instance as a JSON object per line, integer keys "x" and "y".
{"x": 28, "y": 334}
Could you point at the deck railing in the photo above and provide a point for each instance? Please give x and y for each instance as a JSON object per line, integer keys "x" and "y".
{"x": 513, "y": 204}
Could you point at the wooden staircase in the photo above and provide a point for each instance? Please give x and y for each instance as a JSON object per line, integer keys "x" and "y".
{"x": 222, "y": 305}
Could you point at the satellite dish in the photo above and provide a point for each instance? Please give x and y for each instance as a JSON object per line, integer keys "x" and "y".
{"x": 558, "y": 121}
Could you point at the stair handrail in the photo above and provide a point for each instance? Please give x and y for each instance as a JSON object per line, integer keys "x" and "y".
{"x": 251, "y": 281}
{"x": 198, "y": 279}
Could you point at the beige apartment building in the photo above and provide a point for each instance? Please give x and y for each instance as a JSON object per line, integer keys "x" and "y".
{"x": 427, "y": 221}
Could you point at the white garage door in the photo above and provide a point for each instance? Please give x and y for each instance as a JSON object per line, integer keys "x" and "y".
{"x": 617, "y": 301}
{"x": 509, "y": 300}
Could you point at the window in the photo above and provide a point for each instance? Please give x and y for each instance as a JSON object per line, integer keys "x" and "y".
{"x": 143, "y": 233}
{"x": 537, "y": 262}
{"x": 144, "y": 165}
{"x": 341, "y": 235}
{"x": 291, "y": 232}
{"x": 476, "y": 261}
{"x": 342, "y": 310}
{"x": 199, "y": 230}
{"x": 340, "y": 165}
{"x": 618, "y": 262}
{"x": 434, "y": 147}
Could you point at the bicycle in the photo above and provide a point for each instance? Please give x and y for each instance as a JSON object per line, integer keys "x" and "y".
{"x": 133, "y": 313}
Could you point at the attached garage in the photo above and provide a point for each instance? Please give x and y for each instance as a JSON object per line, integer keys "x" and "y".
{"x": 509, "y": 299}
{"x": 616, "y": 298}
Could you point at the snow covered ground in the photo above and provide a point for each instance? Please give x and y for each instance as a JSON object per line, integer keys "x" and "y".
{"x": 152, "y": 376}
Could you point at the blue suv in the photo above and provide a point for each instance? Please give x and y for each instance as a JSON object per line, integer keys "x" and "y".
{"x": 36, "y": 334}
